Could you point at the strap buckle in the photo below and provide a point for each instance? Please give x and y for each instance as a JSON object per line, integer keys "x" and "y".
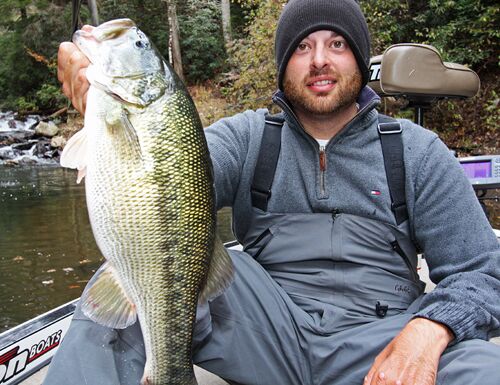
{"x": 259, "y": 191}
{"x": 390, "y": 128}
{"x": 276, "y": 122}
{"x": 260, "y": 197}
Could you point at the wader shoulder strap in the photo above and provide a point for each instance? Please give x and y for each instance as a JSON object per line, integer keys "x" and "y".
{"x": 266, "y": 162}
{"x": 392, "y": 149}
{"x": 389, "y": 130}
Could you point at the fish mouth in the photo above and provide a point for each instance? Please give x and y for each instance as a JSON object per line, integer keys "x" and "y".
{"x": 112, "y": 29}
{"x": 106, "y": 31}
{"x": 87, "y": 40}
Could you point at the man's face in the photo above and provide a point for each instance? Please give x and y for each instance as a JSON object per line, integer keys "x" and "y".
{"x": 322, "y": 75}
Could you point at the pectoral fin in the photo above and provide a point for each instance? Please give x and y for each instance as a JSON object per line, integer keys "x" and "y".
{"x": 118, "y": 123}
{"x": 75, "y": 153}
{"x": 220, "y": 273}
{"x": 106, "y": 303}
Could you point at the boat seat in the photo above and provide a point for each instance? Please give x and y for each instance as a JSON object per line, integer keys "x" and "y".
{"x": 417, "y": 72}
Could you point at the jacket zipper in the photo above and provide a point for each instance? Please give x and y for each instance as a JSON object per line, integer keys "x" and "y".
{"x": 322, "y": 169}
{"x": 322, "y": 153}
{"x": 413, "y": 273}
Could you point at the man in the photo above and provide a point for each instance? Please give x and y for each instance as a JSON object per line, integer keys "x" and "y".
{"x": 325, "y": 290}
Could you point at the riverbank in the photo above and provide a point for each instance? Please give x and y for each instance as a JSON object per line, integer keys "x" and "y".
{"x": 35, "y": 139}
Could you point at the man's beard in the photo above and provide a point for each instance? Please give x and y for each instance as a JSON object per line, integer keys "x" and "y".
{"x": 344, "y": 94}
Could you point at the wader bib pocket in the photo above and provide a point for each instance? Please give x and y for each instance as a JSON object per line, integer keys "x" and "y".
{"x": 337, "y": 267}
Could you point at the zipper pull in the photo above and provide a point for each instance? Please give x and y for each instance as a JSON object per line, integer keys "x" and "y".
{"x": 322, "y": 168}
{"x": 322, "y": 158}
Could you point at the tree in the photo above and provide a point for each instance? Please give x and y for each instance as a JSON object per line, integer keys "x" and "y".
{"x": 226, "y": 21}
{"x": 93, "y": 12}
{"x": 175, "y": 46}
{"x": 464, "y": 31}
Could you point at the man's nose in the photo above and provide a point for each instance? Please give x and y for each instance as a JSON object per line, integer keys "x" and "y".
{"x": 320, "y": 58}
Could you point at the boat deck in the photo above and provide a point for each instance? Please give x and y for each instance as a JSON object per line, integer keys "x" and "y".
{"x": 203, "y": 377}
{"x": 206, "y": 378}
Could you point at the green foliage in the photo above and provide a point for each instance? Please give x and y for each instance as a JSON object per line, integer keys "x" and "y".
{"x": 202, "y": 43}
{"x": 253, "y": 58}
{"x": 49, "y": 97}
{"x": 464, "y": 31}
{"x": 387, "y": 22}
{"x": 239, "y": 14}
{"x": 20, "y": 74}
{"x": 15, "y": 13}
{"x": 24, "y": 106}
{"x": 492, "y": 111}
{"x": 29, "y": 42}
{"x": 48, "y": 27}
{"x": 471, "y": 33}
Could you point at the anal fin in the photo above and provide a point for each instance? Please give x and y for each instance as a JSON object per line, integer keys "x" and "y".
{"x": 220, "y": 273}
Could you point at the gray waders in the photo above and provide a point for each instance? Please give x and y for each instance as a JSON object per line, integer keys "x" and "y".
{"x": 294, "y": 315}
{"x": 315, "y": 298}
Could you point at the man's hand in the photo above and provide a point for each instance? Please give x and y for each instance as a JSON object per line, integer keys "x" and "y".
{"x": 71, "y": 67}
{"x": 412, "y": 357}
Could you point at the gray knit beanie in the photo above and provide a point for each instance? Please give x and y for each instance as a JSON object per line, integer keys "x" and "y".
{"x": 302, "y": 17}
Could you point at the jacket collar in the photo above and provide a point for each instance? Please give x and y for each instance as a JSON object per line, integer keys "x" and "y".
{"x": 367, "y": 101}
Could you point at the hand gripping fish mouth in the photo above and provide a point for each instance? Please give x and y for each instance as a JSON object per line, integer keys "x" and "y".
{"x": 124, "y": 62}
{"x": 150, "y": 198}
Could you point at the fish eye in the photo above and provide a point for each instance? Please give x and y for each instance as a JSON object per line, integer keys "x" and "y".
{"x": 142, "y": 44}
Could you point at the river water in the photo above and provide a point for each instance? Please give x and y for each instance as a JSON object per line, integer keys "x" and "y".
{"x": 9, "y": 121}
{"x": 47, "y": 250}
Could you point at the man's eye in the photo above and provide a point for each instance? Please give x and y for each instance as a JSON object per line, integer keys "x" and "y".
{"x": 302, "y": 47}
{"x": 338, "y": 44}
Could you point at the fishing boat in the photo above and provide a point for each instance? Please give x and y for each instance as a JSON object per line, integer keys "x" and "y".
{"x": 27, "y": 349}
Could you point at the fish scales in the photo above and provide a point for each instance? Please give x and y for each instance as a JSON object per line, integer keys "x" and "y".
{"x": 150, "y": 199}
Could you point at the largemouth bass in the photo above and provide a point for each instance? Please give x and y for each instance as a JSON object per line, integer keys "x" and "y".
{"x": 150, "y": 198}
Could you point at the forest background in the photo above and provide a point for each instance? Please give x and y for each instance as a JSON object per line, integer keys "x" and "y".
{"x": 226, "y": 56}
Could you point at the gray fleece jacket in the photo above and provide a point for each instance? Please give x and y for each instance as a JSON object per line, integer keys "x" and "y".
{"x": 446, "y": 219}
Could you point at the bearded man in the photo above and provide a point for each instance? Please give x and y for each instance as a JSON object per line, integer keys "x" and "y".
{"x": 326, "y": 289}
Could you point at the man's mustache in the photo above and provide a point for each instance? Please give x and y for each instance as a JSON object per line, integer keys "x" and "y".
{"x": 321, "y": 72}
